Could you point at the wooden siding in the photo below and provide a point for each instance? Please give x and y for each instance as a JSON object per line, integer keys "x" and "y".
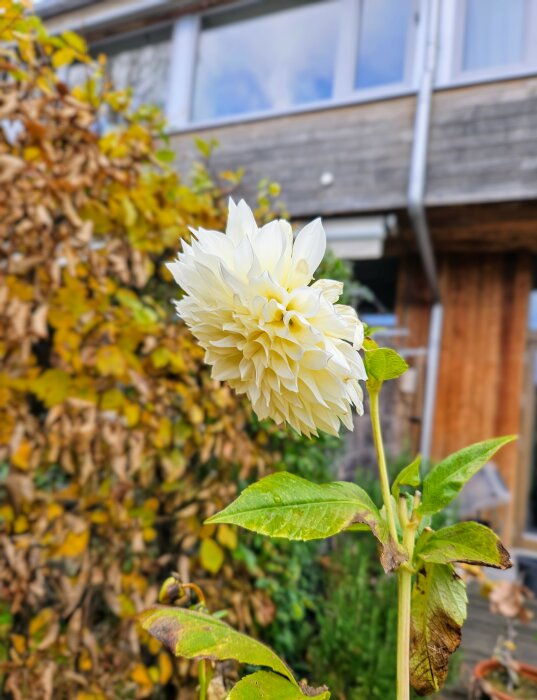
{"x": 494, "y": 227}
{"x": 413, "y": 309}
{"x": 483, "y": 148}
{"x": 482, "y": 356}
{"x": 365, "y": 147}
{"x": 483, "y": 144}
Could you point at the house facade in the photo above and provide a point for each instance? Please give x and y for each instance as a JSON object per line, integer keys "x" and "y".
{"x": 410, "y": 126}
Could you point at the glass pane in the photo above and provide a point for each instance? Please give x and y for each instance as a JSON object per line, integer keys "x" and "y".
{"x": 383, "y": 42}
{"x": 493, "y": 33}
{"x": 142, "y": 63}
{"x": 252, "y": 62}
{"x": 532, "y": 311}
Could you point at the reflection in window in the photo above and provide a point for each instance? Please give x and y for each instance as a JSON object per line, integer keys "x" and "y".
{"x": 251, "y": 61}
{"x": 493, "y": 33}
{"x": 383, "y": 42}
{"x": 532, "y": 311}
{"x": 142, "y": 63}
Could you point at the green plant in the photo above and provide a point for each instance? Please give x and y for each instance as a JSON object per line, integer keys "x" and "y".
{"x": 354, "y": 650}
{"x": 285, "y": 343}
{"x": 288, "y": 572}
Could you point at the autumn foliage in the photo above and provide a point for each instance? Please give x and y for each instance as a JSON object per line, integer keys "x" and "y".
{"x": 115, "y": 444}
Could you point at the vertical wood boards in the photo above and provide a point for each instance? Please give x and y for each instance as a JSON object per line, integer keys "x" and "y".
{"x": 481, "y": 374}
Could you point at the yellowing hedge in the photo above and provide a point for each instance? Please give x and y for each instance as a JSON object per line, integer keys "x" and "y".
{"x": 115, "y": 444}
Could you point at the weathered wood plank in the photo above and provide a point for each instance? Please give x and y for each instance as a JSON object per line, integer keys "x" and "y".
{"x": 495, "y": 227}
{"x": 365, "y": 147}
{"x": 482, "y": 148}
{"x": 481, "y": 369}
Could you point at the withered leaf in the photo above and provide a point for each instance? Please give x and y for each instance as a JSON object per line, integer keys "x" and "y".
{"x": 195, "y": 635}
{"x": 438, "y": 611}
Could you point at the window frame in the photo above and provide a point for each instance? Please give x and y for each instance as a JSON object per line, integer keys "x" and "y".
{"x": 525, "y": 535}
{"x": 450, "y": 71}
{"x": 183, "y": 60}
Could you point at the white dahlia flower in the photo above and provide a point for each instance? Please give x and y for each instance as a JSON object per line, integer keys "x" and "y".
{"x": 266, "y": 330}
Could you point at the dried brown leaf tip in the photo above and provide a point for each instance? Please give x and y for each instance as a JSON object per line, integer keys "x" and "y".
{"x": 504, "y": 556}
{"x": 165, "y": 629}
{"x": 311, "y": 692}
{"x": 391, "y": 556}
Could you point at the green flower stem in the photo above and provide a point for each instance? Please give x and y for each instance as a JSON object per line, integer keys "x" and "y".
{"x": 404, "y": 574}
{"x": 404, "y": 588}
{"x": 404, "y": 593}
{"x": 203, "y": 679}
{"x": 383, "y": 471}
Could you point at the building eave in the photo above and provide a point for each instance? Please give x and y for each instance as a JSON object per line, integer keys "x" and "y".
{"x": 89, "y": 17}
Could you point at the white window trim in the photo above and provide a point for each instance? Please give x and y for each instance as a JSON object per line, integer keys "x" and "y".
{"x": 450, "y": 72}
{"x": 183, "y": 52}
{"x": 183, "y": 59}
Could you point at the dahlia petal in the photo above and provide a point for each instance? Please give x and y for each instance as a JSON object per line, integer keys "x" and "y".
{"x": 241, "y": 221}
{"x": 270, "y": 246}
{"x": 330, "y": 289}
{"x": 308, "y": 251}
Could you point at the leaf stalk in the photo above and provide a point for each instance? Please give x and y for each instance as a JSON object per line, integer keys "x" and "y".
{"x": 381, "y": 458}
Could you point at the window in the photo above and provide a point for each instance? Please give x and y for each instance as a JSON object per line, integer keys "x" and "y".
{"x": 493, "y": 33}
{"x": 141, "y": 62}
{"x": 486, "y": 40}
{"x": 261, "y": 57}
{"x": 257, "y": 60}
{"x": 375, "y": 294}
{"x": 382, "y": 46}
{"x": 279, "y": 55}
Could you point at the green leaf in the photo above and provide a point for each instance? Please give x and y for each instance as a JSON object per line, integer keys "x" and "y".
{"x": 195, "y": 635}
{"x": 445, "y": 481}
{"x": 264, "y": 685}
{"x": 285, "y": 505}
{"x": 384, "y": 363}
{"x": 438, "y": 611}
{"x": 409, "y": 476}
{"x": 358, "y": 527}
{"x": 469, "y": 542}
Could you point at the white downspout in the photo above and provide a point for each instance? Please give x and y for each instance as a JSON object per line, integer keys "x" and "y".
{"x": 418, "y": 216}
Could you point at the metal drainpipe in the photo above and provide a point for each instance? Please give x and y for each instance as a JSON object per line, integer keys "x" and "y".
{"x": 418, "y": 216}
